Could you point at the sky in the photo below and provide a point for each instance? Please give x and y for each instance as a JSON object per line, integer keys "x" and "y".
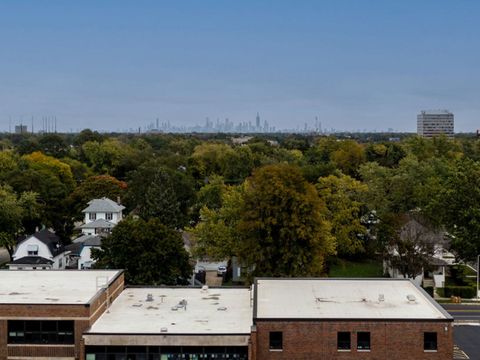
{"x": 356, "y": 64}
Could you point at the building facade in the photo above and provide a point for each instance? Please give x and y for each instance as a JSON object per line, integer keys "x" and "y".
{"x": 43, "y": 314}
{"x": 90, "y": 315}
{"x": 101, "y": 216}
{"x": 433, "y": 123}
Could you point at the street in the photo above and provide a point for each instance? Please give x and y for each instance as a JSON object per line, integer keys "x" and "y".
{"x": 467, "y": 330}
{"x": 463, "y": 312}
{"x": 467, "y": 339}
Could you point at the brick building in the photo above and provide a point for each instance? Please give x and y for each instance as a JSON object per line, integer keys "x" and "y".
{"x": 348, "y": 319}
{"x": 43, "y": 314}
{"x": 89, "y": 315}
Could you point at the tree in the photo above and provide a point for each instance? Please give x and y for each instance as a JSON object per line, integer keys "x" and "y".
{"x": 458, "y": 204}
{"x": 156, "y": 191}
{"x": 17, "y": 215}
{"x": 283, "y": 227}
{"x": 53, "y": 145}
{"x": 411, "y": 248}
{"x": 342, "y": 196}
{"x": 217, "y": 235}
{"x": 95, "y": 187}
{"x": 150, "y": 253}
{"x": 349, "y": 157}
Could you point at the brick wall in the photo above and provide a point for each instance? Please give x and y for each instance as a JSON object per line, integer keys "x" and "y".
{"x": 318, "y": 340}
{"x": 84, "y": 316}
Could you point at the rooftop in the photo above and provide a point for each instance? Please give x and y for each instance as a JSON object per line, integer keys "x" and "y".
{"x": 436, "y": 112}
{"x": 52, "y": 286}
{"x": 103, "y": 205}
{"x": 344, "y": 299}
{"x": 99, "y": 223}
{"x": 214, "y": 311}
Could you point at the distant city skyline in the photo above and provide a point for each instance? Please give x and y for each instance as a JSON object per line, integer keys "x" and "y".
{"x": 356, "y": 65}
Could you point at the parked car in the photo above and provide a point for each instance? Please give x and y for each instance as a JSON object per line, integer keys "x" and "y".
{"x": 221, "y": 270}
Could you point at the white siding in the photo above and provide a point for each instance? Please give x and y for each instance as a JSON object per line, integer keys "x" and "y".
{"x": 22, "y": 249}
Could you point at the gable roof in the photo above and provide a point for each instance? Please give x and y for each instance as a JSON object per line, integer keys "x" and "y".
{"x": 50, "y": 239}
{"x": 103, "y": 205}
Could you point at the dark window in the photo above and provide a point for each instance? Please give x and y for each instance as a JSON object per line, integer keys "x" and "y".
{"x": 343, "y": 341}
{"x": 40, "y": 332}
{"x": 276, "y": 340}
{"x": 108, "y": 216}
{"x": 430, "y": 341}
{"x": 92, "y": 216}
{"x": 363, "y": 341}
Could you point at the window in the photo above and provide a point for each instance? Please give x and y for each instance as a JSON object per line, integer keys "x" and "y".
{"x": 276, "y": 340}
{"x": 32, "y": 250}
{"x": 430, "y": 341}
{"x": 40, "y": 332}
{"x": 343, "y": 341}
{"x": 108, "y": 216}
{"x": 363, "y": 341}
{"x": 92, "y": 216}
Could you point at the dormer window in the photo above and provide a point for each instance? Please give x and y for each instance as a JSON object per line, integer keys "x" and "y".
{"x": 32, "y": 250}
{"x": 108, "y": 216}
{"x": 92, "y": 216}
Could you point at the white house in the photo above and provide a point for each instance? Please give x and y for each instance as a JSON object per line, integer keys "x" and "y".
{"x": 42, "y": 250}
{"x": 439, "y": 259}
{"x": 80, "y": 250}
{"x": 101, "y": 216}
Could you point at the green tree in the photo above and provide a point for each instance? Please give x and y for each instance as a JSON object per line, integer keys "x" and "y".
{"x": 95, "y": 187}
{"x": 150, "y": 253}
{"x": 17, "y": 216}
{"x": 53, "y": 145}
{"x": 216, "y": 235}
{"x": 458, "y": 204}
{"x": 342, "y": 196}
{"x": 156, "y": 191}
{"x": 283, "y": 225}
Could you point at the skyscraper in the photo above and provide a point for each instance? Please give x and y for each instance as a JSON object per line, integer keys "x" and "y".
{"x": 257, "y": 123}
{"x": 432, "y": 123}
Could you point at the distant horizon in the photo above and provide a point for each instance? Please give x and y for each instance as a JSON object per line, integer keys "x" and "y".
{"x": 121, "y": 64}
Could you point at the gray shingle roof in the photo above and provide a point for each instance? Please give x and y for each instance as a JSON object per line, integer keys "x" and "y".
{"x": 103, "y": 205}
{"x": 49, "y": 238}
{"x": 99, "y": 223}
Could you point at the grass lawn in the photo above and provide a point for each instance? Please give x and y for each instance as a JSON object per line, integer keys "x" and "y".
{"x": 346, "y": 268}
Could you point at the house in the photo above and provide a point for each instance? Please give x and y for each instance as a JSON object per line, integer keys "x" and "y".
{"x": 101, "y": 216}
{"x": 41, "y": 250}
{"x": 80, "y": 251}
{"x": 436, "y": 245}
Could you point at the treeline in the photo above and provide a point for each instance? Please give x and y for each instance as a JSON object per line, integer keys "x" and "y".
{"x": 281, "y": 204}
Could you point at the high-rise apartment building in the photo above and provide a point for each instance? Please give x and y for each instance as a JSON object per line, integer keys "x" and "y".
{"x": 432, "y": 123}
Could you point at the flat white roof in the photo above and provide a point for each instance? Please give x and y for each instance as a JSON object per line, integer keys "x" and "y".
{"x": 51, "y": 286}
{"x": 343, "y": 299}
{"x": 215, "y": 311}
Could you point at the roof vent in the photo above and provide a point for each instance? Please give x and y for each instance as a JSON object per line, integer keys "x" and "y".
{"x": 222, "y": 308}
{"x": 174, "y": 308}
{"x": 163, "y": 330}
{"x": 381, "y": 298}
{"x": 411, "y": 298}
{"x": 182, "y": 304}
{"x": 149, "y": 297}
{"x": 204, "y": 288}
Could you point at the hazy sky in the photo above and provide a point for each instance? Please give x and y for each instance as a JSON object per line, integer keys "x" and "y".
{"x": 354, "y": 63}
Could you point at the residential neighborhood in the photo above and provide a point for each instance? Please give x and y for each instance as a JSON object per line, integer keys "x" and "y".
{"x": 249, "y": 180}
